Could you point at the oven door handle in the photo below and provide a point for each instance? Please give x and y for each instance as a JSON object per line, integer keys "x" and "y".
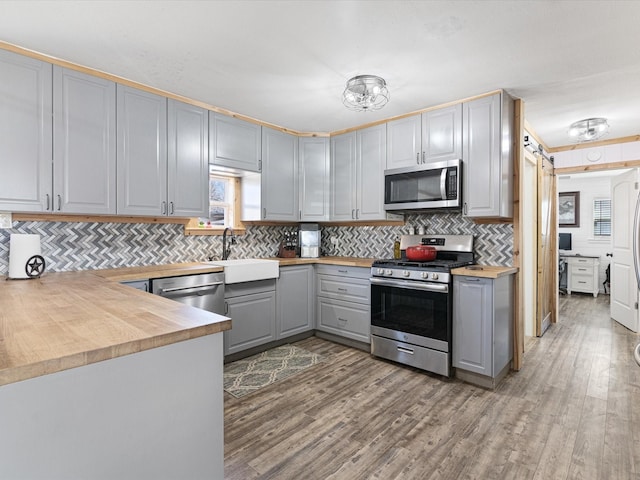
{"x": 425, "y": 286}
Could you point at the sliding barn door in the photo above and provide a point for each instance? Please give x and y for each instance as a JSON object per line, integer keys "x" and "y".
{"x": 547, "y": 254}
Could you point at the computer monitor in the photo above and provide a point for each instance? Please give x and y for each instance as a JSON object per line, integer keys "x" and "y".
{"x": 564, "y": 242}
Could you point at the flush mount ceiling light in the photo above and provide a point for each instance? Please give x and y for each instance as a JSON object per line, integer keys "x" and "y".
{"x": 589, "y": 129}
{"x": 365, "y": 92}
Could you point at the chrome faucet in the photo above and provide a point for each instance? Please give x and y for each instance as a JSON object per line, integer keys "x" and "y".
{"x": 226, "y": 251}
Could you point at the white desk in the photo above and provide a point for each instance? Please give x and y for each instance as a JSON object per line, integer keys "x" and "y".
{"x": 582, "y": 274}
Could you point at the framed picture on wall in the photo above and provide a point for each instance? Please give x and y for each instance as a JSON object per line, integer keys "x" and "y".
{"x": 569, "y": 209}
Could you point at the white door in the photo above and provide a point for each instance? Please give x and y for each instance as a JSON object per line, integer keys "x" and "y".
{"x": 624, "y": 231}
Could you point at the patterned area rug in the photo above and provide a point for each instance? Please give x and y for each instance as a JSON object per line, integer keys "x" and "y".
{"x": 249, "y": 374}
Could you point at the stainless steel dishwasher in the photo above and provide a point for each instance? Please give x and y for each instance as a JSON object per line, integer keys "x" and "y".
{"x": 203, "y": 290}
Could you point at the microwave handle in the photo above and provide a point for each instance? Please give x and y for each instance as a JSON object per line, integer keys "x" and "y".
{"x": 443, "y": 183}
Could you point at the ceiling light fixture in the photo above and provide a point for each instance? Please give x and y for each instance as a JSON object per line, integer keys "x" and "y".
{"x": 365, "y": 92}
{"x": 589, "y": 129}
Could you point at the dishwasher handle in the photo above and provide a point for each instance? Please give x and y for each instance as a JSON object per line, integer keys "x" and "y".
{"x": 181, "y": 289}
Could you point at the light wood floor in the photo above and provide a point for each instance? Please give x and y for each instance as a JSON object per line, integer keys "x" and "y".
{"x": 573, "y": 411}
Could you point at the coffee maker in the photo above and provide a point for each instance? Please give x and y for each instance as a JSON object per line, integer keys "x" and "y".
{"x": 309, "y": 237}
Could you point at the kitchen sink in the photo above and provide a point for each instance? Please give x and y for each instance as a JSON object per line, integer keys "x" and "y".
{"x": 248, "y": 269}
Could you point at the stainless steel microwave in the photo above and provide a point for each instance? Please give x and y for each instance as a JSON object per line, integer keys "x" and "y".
{"x": 430, "y": 186}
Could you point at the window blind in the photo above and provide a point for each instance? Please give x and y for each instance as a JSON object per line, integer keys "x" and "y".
{"x": 602, "y": 218}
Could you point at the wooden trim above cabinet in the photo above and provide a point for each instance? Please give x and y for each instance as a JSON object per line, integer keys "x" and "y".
{"x": 53, "y": 217}
{"x": 597, "y": 168}
{"x": 599, "y": 143}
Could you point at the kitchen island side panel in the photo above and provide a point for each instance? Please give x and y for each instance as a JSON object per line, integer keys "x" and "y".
{"x": 156, "y": 414}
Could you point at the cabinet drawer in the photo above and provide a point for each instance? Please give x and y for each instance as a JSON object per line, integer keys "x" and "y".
{"x": 585, "y": 262}
{"x": 349, "y": 289}
{"x": 338, "y": 270}
{"x": 345, "y": 319}
{"x": 581, "y": 270}
{"x": 582, "y": 282}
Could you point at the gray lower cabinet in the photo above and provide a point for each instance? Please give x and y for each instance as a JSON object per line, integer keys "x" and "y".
{"x": 84, "y": 143}
{"x": 138, "y": 284}
{"x": 252, "y": 309}
{"x": 343, "y": 301}
{"x": 294, "y": 300}
{"x": 482, "y": 327}
{"x": 25, "y": 136}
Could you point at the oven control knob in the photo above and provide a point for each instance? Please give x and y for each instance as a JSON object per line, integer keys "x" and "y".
{"x": 434, "y": 276}
{"x": 380, "y": 271}
{"x": 405, "y": 273}
{"x": 424, "y": 275}
{"x": 388, "y": 272}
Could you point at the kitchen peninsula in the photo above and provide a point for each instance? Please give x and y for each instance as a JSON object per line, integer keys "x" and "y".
{"x": 99, "y": 380}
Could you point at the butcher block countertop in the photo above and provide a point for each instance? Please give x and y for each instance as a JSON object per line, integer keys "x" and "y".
{"x": 67, "y": 320}
{"x": 484, "y": 271}
{"x": 342, "y": 261}
{"x": 156, "y": 271}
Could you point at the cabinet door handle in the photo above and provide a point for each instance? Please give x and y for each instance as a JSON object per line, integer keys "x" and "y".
{"x": 226, "y": 308}
{"x": 264, "y": 212}
{"x": 343, "y": 290}
{"x": 342, "y": 271}
{"x": 47, "y": 209}
{"x": 59, "y": 202}
{"x": 353, "y": 214}
{"x": 424, "y": 160}
{"x": 464, "y": 209}
{"x": 357, "y": 213}
{"x": 418, "y": 158}
{"x": 164, "y": 208}
{"x": 342, "y": 319}
{"x": 171, "y": 209}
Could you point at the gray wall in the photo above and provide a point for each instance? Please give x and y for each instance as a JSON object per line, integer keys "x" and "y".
{"x": 84, "y": 246}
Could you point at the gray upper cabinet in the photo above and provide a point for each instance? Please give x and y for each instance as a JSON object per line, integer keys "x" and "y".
{"x": 404, "y": 144}
{"x": 142, "y": 152}
{"x": 280, "y": 194}
{"x": 188, "y": 160}
{"x": 488, "y": 157}
{"x": 433, "y": 136}
{"x": 84, "y": 141}
{"x": 314, "y": 177}
{"x": 234, "y": 143}
{"x": 343, "y": 177}
{"x": 357, "y": 174}
{"x": 442, "y": 134}
{"x": 25, "y": 133}
{"x": 371, "y": 156}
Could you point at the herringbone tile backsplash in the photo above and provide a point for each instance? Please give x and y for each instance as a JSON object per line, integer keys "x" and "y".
{"x": 86, "y": 246}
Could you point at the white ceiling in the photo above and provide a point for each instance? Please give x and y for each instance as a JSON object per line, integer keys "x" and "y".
{"x": 286, "y": 62}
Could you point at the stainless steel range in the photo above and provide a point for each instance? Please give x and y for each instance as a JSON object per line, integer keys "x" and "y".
{"x": 411, "y": 303}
